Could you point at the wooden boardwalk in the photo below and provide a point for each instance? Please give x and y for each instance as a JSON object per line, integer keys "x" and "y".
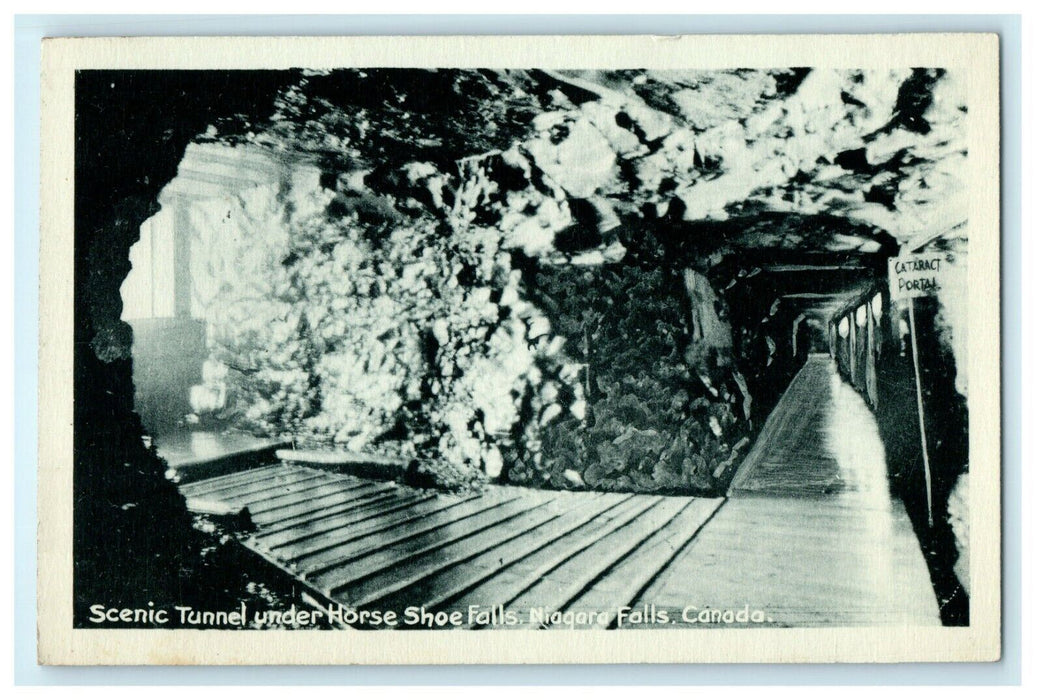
{"x": 809, "y": 534}
{"x": 372, "y": 545}
{"x": 810, "y": 531}
{"x": 803, "y": 447}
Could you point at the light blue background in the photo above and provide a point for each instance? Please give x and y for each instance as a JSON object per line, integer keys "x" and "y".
{"x": 30, "y": 29}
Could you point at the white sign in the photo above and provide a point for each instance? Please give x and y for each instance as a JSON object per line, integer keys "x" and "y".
{"x": 912, "y": 276}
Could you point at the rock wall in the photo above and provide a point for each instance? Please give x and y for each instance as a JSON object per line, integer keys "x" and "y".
{"x": 385, "y": 328}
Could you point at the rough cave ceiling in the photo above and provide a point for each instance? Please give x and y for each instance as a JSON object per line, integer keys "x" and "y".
{"x": 798, "y": 170}
{"x": 879, "y": 149}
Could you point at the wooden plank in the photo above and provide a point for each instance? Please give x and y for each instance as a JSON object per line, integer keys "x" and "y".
{"x": 512, "y": 581}
{"x": 307, "y": 511}
{"x": 370, "y": 466}
{"x": 793, "y": 403}
{"x": 306, "y": 519}
{"x": 218, "y": 508}
{"x": 794, "y": 455}
{"x": 362, "y": 585}
{"x": 243, "y": 474}
{"x": 802, "y": 567}
{"x": 319, "y": 503}
{"x": 198, "y": 487}
{"x": 336, "y": 457}
{"x": 240, "y": 492}
{"x": 290, "y": 485}
{"x": 379, "y": 557}
{"x": 558, "y": 587}
{"x": 435, "y": 585}
{"x": 223, "y": 463}
{"x": 312, "y": 494}
{"x": 321, "y": 549}
{"x": 350, "y": 512}
{"x": 360, "y": 542}
{"x": 624, "y": 582}
{"x": 417, "y": 505}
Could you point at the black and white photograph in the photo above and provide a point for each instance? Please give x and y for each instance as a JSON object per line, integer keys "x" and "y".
{"x": 391, "y": 350}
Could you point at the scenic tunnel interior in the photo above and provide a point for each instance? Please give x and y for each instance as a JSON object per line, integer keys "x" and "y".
{"x": 644, "y": 352}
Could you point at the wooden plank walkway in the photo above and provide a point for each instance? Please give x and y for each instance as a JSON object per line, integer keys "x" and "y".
{"x": 793, "y": 454}
{"x": 380, "y": 545}
{"x": 809, "y": 535}
{"x": 810, "y": 532}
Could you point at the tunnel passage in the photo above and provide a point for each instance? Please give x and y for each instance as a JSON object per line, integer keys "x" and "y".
{"x": 783, "y": 307}
{"x": 780, "y": 281}
{"x": 787, "y": 305}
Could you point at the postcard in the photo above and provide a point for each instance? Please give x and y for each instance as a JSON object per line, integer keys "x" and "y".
{"x": 426, "y": 350}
